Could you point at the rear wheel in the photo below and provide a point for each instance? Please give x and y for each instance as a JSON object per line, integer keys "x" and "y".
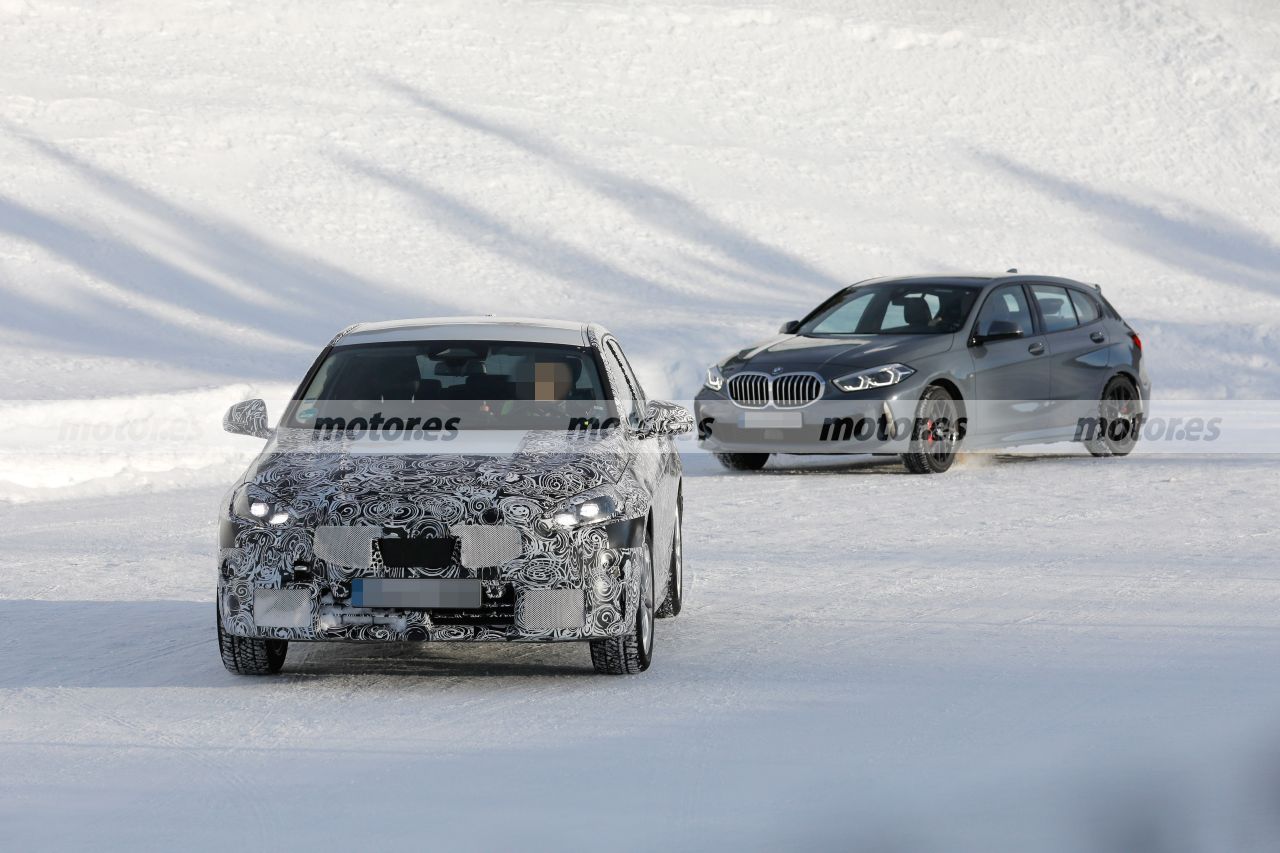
{"x": 1119, "y": 419}
{"x": 251, "y": 655}
{"x": 632, "y": 652}
{"x": 743, "y": 461}
{"x": 935, "y": 434}
{"x": 675, "y": 575}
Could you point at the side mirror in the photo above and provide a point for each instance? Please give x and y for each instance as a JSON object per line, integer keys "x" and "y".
{"x": 247, "y": 418}
{"x": 999, "y": 330}
{"x": 790, "y": 327}
{"x": 663, "y": 418}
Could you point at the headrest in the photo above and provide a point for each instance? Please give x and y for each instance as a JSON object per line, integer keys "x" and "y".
{"x": 1051, "y": 305}
{"x": 459, "y": 368}
{"x": 916, "y": 311}
{"x": 401, "y": 370}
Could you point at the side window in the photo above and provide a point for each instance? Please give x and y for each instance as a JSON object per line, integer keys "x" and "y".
{"x": 1055, "y": 307}
{"x": 1008, "y": 304}
{"x": 1086, "y": 308}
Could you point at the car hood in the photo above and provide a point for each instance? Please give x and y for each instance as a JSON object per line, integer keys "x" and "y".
{"x": 323, "y": 479}
{"x": 823, "y": 352}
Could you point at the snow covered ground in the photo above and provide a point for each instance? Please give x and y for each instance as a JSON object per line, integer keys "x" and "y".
{"x": 1032, "y": 652}
{"x": 1040, "y": 676}
{"x": 957, "y": 663}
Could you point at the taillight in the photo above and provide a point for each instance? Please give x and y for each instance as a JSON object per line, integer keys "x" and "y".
{"x": 1137, "y": 341}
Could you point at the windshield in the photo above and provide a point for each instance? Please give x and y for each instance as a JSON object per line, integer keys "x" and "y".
{"x": 894, "y": 309}
{"x": 453, "y": 385}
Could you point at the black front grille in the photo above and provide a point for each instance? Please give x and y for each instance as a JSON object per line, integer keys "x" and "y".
{"x": 425, "y": 552}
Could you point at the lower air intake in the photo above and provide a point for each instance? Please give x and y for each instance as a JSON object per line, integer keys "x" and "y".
{"x": 487, "y": 544}
{"x": 346, "y": 545}
{"x": 549, "y": 609}
{"x": 281, "y": 608}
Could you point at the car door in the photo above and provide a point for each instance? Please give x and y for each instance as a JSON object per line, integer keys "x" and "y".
{"x": 1011, "y": 376}
{"x": 1078, "y": 351}
{"x": 652, "y": 460}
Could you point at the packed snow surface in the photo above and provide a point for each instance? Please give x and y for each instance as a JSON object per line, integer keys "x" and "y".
{"x": 1033, "y": 652}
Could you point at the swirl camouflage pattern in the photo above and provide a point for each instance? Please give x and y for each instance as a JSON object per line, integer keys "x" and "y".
{"x": 562, "y": 535}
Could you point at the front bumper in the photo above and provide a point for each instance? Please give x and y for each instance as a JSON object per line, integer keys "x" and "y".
{"x": 566, "y": 585}
{"x": 873, "y": 421}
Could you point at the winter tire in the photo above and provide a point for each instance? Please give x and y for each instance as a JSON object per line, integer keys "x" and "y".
{"x": 743, "y": 461}
{"x": 632, "y": 652}
{"x": 675, "y": 574}
{"x": 935, "y": 434}
{"x": 1119, "y": 419}
{"x": 251, "y": 655}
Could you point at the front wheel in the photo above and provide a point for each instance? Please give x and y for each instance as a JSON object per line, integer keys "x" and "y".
{"x": 743, "y": 461}
{"x": 633, "y": 652}
{"x": 1119, "y": 419}
{"x": 251, "y": 655}
{"x": 936, "y": 433}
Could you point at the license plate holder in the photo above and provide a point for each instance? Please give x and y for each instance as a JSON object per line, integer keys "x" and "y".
{"x": 417, "y": 593}
{"x": 771, "y": 420}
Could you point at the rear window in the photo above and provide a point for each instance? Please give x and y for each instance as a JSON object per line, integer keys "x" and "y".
{"x": 1109, "y": 309}
{"x": 1086, "y": 308}
{"x": 1055, "y": 307}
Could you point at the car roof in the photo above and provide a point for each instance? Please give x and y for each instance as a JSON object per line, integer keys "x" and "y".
{"x": 976, "y": 278}
{"x": 487, "y": 327}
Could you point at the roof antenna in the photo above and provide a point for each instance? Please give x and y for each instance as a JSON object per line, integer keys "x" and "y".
{"x": 1014, "y": 269}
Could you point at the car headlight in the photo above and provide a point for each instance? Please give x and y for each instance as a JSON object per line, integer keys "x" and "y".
{"x": 875, "y": 377}
{"x": 715, "y": 379}
{"x": 254, "y": 503}
{"x": 594, "y": 507}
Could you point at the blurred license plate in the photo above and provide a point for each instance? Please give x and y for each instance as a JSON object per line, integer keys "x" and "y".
{"x": 415, "y": 594}
{"x": 771, "y": 420}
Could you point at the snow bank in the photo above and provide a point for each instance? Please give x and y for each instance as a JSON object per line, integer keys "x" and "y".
{"x": 117, "y": 445}
{"x": 204, "y": 196}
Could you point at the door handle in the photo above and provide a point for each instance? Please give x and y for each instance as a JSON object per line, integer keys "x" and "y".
{"x": 1036, "y": 349}
{"x": 1097, "y": 337}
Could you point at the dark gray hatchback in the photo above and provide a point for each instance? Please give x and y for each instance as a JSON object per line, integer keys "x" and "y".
{"x": 925, "y": 366}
